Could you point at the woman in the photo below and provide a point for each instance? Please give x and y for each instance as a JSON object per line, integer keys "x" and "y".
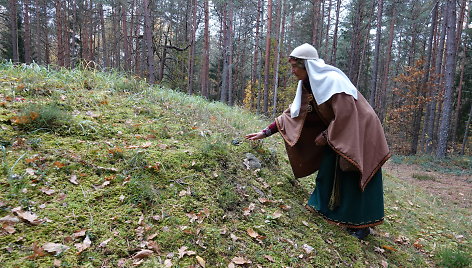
{"x": 332, "y": 129}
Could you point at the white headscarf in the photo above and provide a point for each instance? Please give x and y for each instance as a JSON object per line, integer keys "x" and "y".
{"x": 325, "y": 80}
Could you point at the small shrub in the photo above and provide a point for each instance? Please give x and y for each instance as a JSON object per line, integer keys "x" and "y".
{"x": 423, "y": 177}
{"x": 228, "y": 199}
{"x": 454, "y": 258}
{"x": 39, "y": 116}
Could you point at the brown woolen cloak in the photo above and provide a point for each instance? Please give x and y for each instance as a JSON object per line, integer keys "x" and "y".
{"x": 352, "y": 130}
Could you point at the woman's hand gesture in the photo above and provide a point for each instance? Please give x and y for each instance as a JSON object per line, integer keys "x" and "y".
{"x": 255, "y": 136}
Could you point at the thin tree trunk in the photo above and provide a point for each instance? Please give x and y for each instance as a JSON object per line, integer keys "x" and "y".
{"x": 13, "y": 10}
{"x": 335, "y": 34}
{"x": 125, "y": 37}
{"x": 224, "y": 76}
{"x": 255, "y": 58}
{"x": 191, "y": 61}
{"x": 148, "y": 38}
{"x": 328, "y": 25}
{"x": 466, "y": 133}
{"x": 430, "y": 132}
{"x": 455, "y": 120}
{"x": 47, "y": 50}
{"x": 427, "y": 68}
{"x": 230, "y": 54}
{"x": 388, "y": 55}
{"x": 27, "y": 27}
{"x": 104, "y": 36}
{"x": 316, "y": 22}
{"x": 449, "y": 77}
{"x": 375, "y": 67}
{"x": 59, "y": 35}
{"x": 206, "y": 52}
{"x": 267, "y": 57}
{"x": 281, "y": 18}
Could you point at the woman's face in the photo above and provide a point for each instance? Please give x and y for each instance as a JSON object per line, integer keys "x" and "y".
{"x": 298, "y": 71}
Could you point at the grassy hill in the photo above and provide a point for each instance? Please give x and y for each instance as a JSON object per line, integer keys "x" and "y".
{"x": 101, "y": 170}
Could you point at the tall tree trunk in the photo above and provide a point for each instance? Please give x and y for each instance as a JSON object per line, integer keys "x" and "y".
{"x": 386, "y": 70}
{"x": 45, "y": 19}
{"x": 315, "y": 38}
{"x": 355, "y": 54}
{"x": 27, "y": 27}
{"x": 60, "y": 34}
{"x": 427, "y": 67}
{"x": 13, "y": 11}
{"x": 255, "y": 58}
{"x": 149, "y": 42}
{"x": 206, "y": 52}
{"x": 230, "y": 55}
{"x": 375, "y": 67}
{"x": 281, "y": 18}
{"x": 191, "y": 61}
{"x": 125, "y": 37}
{"x": 455, "y": 120}
{"x": 224, "y": 76}
{"x": 328, "y": 25}
{"x": 335, "y": 34}
{"x": 449, "y": 77}
{"x": 466, "y": 133}
{"x": 430, "y": 131}
{"x": 104, "y": 36}
{"x": 267, "y": 57}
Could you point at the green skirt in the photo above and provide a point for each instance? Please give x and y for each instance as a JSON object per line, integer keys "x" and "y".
{"x": 355, "y": 208}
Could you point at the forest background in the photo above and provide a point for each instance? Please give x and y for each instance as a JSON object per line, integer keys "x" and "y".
{"x": 410, "y": 58}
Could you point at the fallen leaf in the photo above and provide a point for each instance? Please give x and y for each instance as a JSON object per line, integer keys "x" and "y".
{"x": 84, "y": 245}
{"x": 233, "y": 237}
{"x": 28, "y": 217}
{"x": 231, "y": 265}
{"x": 145, "y": 253}
{"x": 183, "y": 251}
{"x": 276, "y": 215}
{"x": 104, "y": 243}
{"x": 8, "y": 228}
{"x": 240, "y": 261}
{"x": 305, "y": 223}
{"x": 265, "y": 200}
{"x": 59, "y": 164}
{"x": 37, "y": 252}
{"x": 201, "y": 261}
{"x": 285, "y": 207}
{"x": 379, "y": 250}
{"x": 47, "y": 191}
{"x": 30, "y": 171}
{"x": 308, "y": 249}
{"x": 252, "y": 233}
{"x": 389, "y": 248}
{"x": 184, "y": 192}
{"x": 57, "y": 263}
{"x": 402, "y": 240}
{"x": 79, "y": 233}
{"x": 192, "y": 217}
{"x": 55, "y": 248}
{"x": 247, "y": 211}
{"x": 168, "y": 263}
{"x": 154, "y": 246}
{"x": 384, "y": 264}
{"x": 417, "y": 244}
{"x": 269, "y": 258}
{"x": 9, "y": 219}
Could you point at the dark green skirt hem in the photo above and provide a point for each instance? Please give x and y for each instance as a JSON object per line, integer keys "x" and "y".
{"x": 356, "y": 208}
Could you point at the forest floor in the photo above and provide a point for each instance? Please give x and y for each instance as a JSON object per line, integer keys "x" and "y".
{"x": 454, "y": 189}
{"x": 101, "y": 170}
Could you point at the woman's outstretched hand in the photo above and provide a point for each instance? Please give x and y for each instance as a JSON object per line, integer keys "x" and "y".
{"x": 255, "y": 136}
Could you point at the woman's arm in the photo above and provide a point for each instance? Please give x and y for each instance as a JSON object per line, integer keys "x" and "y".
{"x": 266, "y": 132}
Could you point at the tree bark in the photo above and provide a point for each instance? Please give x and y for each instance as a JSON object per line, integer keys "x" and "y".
{"x": 191, "y": 61}
{"x": 104, "y": 36}
{"x": 13, "y": 12}
{"x": 267, "y": 57}
{"x": 206, "y": 52}
{"x": 59, "y": 33}
{"x": 335, "y": 34}
{"x": 27, "y": 27}
{"x": 328, "y": 25}
{"x": 281, "y": 18}
{"x": 388, "y": 56}
{"x": 466, "y": 133}
{"x": 149, "y": 42}
{"x": 315, "y": 40}
{"x": 449, "y": 77}
{"x": 375, "y": 67}
{"x": 255, "y": 58}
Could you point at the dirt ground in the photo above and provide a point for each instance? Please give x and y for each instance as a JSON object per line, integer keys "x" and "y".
{"x": 450, "y": 188}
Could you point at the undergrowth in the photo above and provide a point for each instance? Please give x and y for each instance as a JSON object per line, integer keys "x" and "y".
{"x": 118, "y": 168}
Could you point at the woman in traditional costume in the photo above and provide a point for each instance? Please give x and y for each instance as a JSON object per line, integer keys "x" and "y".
{"x": 332, "y": 129}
